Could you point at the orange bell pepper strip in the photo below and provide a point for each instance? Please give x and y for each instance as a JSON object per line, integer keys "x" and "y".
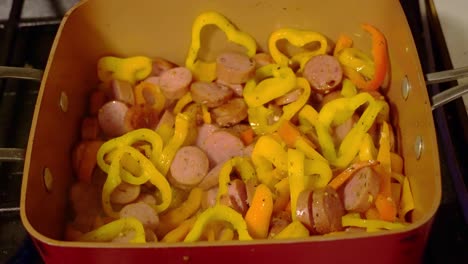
{"x": 347, "y": 173}
{"x": 343, "y": 42}
{"x": 259, "y": 214}
{"x": 380, "y": 56}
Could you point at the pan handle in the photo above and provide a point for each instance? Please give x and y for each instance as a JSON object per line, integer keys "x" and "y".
{"x": 21, "y": 73}
{"x": 449, "y": 94}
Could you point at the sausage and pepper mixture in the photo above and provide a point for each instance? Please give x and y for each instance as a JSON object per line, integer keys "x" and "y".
{"x": 253, "y": 145}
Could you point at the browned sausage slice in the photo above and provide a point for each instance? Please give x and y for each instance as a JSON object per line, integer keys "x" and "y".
{"x": 209, "y": 198}
{"x": 125, "y": 193}
{"x": 235, "y": 68}
{"x": 230, "y": 113}
{"x": 175, "y": 82}
{"x": 222, "y": 146}
{"x": 290, "y": 97}
{"x": 90, "y": 128}
{"x": 262, "y": 59}
{"x": 204, "y": 131}
{"x": 327, "y": 210}
{"x": 146, "y": 214}
{"x": 323, "y": 72}
{"x": 236, "y": 196}
{"x": 161, "y": 65}
{"x": 210, "y": 94}
{"x": 123, "y": 91}
{"x": 190, "y": 166}
{"x": 142, "y": 116}
{"x": 304, "y": 209}
{"x": 212, "y": 178}
{"x": 279, "y": 222}
{"x": 360, "y": 191}
{"x": 112, "y": 118}
{"x": 238, "y": 89}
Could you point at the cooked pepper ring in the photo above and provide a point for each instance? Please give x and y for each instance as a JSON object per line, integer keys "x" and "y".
{"x": 206, "y": 71}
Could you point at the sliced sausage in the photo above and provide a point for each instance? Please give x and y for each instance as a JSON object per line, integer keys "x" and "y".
{"x": 340, "y": 131}
{"x": 204, "y": 131}
{"x": 96, "y": 100}
{"x": 90, "y": 128}
{"x": 361, "y": 190}
{"x": 209, "y": 198}
{"x": 238, "y": 89}
{"x": 212, "y": 178}
{"x": 141, "y": 116}
{"x": 230, "y": 113}
{"x": 123, "y": 91}
{"x": 111, "y": 118}
{"x": 146, "y": 214}
{"x": 190, "y": 166}
{"x": 330, "y": 97}
{"x": 288, "y": 98}
{"x": 236, "y": 196}
{"x": 304, "y": 209}
{"x": 262, "y": 59}
{"x": 175, "y": 82}
{"x": 146, "y": 198}
{"x": 235, "y": 68}
{"x": 327, "y": 210}
{"x": 324, "y": 73}
{"x": 125, "y": 193}
{"x": 161, "y": 65}
{"x": 210, "y": 93}
{"x": 222, "y": 146}
{"x": 279, "y": 222}
{"x": 156, "y": 80}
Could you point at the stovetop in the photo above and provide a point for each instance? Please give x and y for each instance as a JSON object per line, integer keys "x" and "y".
{"x": 27, "y": 30}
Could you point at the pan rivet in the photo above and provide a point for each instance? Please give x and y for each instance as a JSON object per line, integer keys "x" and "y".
{"x": 418, "y": 147}
{"x": 185, "y": 258}
{"x": 63, "y": 102}
{"x": 48, "y": 179}
{"x": 405, "y": 88}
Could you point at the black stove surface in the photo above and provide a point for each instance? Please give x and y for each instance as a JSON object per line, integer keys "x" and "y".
{"x": 27, "y": 30}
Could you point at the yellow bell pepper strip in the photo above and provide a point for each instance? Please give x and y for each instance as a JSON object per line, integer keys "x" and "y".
{"x": 317, "y": 173}
{"x": 148, "y": 172}
{"x": 143, "y": 134}
{"x": 296, "y": 177}
{"x": 218, "y": 213}
{"x": 226, "y": 234}
{"x": 351, "y": 143}
{"x": 406, "y": 201}
{"x": 159, "y": 100}
{"x": 396, "y": 162}
{"x": 206, "y": 114}
{"x": 243, "y": 166}
{"x": 179, "y": 233}
{"x": 354, "y": 219}
{"x": 347, "y": 173}
{"x": 294, "y": 230}
{"x": 348, "y": 89}
{"x": 282, "y": 195}
{"x": 258, "y": 215}
{"x": 206, "y": 71}
{"x": 380, "y": 57}
{"x": 367, "y": 150}
{"x": 174, "y": 217}
{"x": 130, "y": 69}
{"x": 273, "y": 81}
{"x": 258, "y": 116}
{"x": 182, "y": 123}
{"x": 267, "y": 153}
{"x": 358, "y": 61}
{"x": 298, "y": 38}
{"x": 343, "y": 42}
{"x": 182, "y": 102}
{"x": 384, "y": 202}
{"x": 115, "y": 228}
